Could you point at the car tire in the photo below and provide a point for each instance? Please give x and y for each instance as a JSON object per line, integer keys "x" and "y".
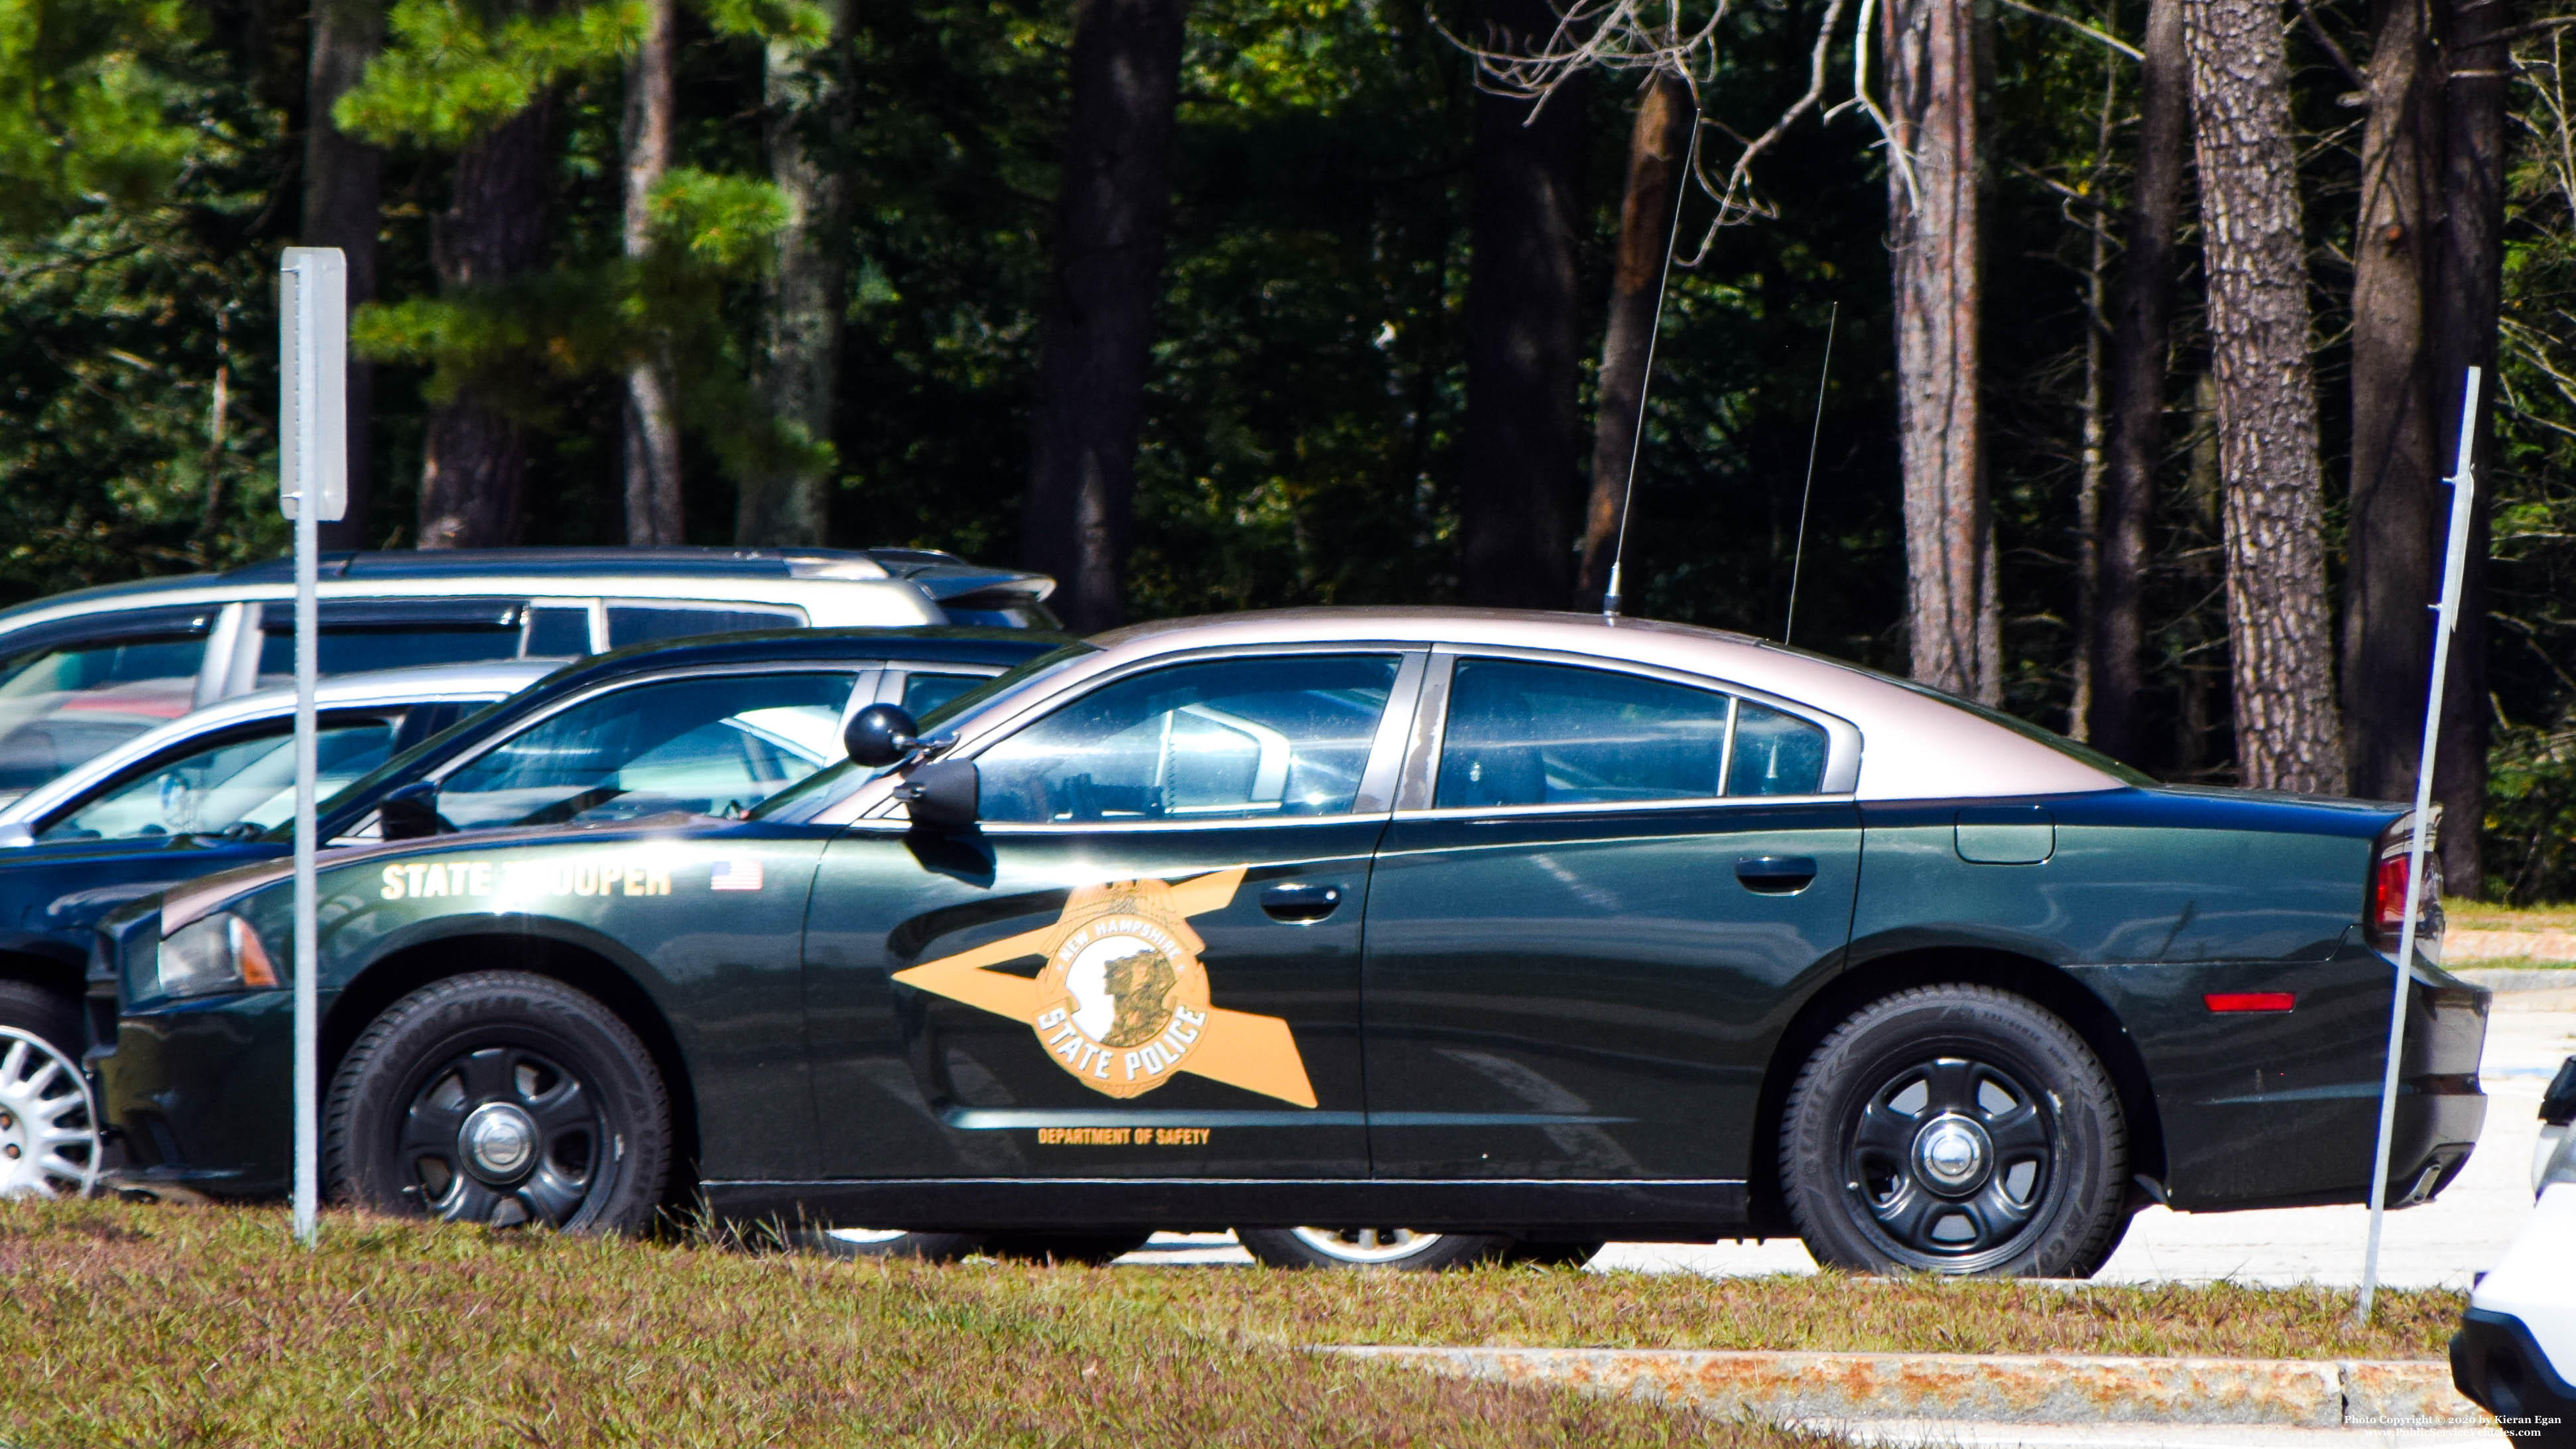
{"x": 1096, "y": 1249}
{"x": 48, "y": 1014}
{"x": 1372, "y": 1249}
{"x": 501, "y": 1098}
{"x": 1955, "y": 1129}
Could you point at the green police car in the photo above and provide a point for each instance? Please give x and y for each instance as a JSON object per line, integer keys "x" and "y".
{"x": 1377, "y": 935}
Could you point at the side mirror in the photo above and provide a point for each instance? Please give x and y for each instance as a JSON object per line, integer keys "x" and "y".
{"x": 411, "y": 813}
{"x": 942, "y": 794}
{"x": 879, "y": 735}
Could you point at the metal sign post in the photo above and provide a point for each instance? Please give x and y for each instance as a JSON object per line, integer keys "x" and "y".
{"x": 313, "y": 464}
{"x": 2446, "y": 617}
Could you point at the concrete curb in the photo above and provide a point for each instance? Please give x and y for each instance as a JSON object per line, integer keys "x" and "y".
{"x": 1988, "y": 1388}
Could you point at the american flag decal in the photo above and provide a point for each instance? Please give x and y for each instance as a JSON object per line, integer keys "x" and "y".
{"x": 741, "y": 874}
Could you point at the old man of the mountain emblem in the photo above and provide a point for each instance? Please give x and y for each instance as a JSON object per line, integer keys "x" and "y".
{"x": 1122, "y": 1003}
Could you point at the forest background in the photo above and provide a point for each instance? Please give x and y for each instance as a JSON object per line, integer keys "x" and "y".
{"x": 773, "y": 272}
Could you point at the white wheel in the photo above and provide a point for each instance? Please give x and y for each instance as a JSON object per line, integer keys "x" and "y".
{"x": 48, "y": 1121}
{"x": 1370, "y": 1248}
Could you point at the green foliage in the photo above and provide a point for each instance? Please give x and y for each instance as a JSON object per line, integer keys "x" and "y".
{"x": 89, "y": 114}
{"x": 721, "y": 221}
{"x": 453, "y": 69}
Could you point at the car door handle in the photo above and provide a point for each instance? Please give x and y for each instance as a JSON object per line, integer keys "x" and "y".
{"x": 1301, "y": 905}
{"x": 1776, "y": 875}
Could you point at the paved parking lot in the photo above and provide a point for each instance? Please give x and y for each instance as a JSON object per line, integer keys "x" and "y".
{"x": 2445, "y": 1243}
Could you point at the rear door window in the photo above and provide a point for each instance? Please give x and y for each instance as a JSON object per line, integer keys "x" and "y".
{"x": 363, "y": 634}
{"x": 242, "y": 783}
{"x": 1522, "y": 733}
{"x": 637, "y": 623}
{"x": 716, "y": 745}
{"x": 923, "y": 693}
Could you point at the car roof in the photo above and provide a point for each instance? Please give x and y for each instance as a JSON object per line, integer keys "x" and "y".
{"x": 935, "y": 644}
{"x": 942, "y": 576}
{"x": 1917, "y": 743}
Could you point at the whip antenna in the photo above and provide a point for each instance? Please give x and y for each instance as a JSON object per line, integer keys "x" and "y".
{"x": 1798, "y": 553}
{"x": 1637, "y": 435}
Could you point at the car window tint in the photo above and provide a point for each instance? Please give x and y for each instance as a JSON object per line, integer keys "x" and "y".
{"x": 1775, "y": 754}
{"x": 242, "y": 781}
{"x": 61, "y": 706}
{"x": 1551, "y": 734}
{"x": 644, "y": 623}
{"x": 716, "y": 746}
{"x": 557, "y": 632}
{"x": 349, "y": 651}
{"x": 923, "y": 693}
{"x": 1236, "y": 738}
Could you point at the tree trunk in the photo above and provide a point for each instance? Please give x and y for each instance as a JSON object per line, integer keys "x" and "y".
{"x": 2288, "y": 736}
{"x": 801, "y": 347}
{"x": 343, "y": 190}
{"x": 2140, "y": 321}
{"x": 1657, "y": 150}
{"x": 652, "y": 431}
{"x": 2394, "y": 529}
{"x": 2088, "y": 503}
{"x": 1953, "y": 619}
{"x": 1518, "y": 464}
{"x": 474, "y": 461}
{"x": 1112, "y": 206}
{"x": 2471, "y": 247}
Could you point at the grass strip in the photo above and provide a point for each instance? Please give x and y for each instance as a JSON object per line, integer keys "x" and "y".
{"x": 204, "y": 1326}
{"x": 179, "y": 1326}
{"x": 2471, "y": 915}
{"x": 1825, "y": 1312}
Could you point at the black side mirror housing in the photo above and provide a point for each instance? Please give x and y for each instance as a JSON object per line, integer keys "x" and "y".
{"x": 942, "y": 794}
{"x": 411, "y": 813}
{"x": 879, "y": 735}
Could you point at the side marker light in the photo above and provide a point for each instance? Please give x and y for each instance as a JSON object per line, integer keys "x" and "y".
{"x": 2249, "y": 1000}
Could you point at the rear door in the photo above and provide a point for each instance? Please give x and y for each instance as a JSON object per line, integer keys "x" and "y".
{"x": 1585, "y": 934}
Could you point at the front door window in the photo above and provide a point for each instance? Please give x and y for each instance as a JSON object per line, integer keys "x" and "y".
{"x": 1234, "y": 739}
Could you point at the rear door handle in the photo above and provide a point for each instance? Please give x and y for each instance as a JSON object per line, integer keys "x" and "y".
{"x": 1301, "y": 905}
{"x": 1776, "y": 875}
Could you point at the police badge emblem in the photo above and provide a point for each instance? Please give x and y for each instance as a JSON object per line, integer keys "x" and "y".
{"x": 1122, "y": 1003}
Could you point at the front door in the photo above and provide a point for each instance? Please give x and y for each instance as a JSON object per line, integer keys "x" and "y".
{"x": 1145, "y": 960}
{"x": 1578, "y": 956}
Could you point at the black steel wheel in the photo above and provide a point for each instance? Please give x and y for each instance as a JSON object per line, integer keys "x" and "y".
{"x": 504, "y": 1099}
{"x": 1371, "y": 1249}
{"x": 1955, "y": 1129}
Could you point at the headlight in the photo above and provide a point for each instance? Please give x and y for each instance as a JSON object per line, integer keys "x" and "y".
{"x": 219, "y": 953}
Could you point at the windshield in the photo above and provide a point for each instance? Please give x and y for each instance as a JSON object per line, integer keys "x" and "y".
{"x": 820, "y": 789}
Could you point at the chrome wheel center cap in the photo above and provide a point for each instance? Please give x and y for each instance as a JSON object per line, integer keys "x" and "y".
{"x": 498, "y": 1139}
{"x": 1951, "y": 1153}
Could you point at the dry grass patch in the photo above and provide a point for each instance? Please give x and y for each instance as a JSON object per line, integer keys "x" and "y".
{"x": 2468, "y": 915}
{"x": 170, "y": 1326}
{"x": 1829, "y": 1311}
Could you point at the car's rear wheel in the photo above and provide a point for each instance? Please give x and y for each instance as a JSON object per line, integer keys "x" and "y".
{"x": 1955, "y": 1129}
{"x": 500, "y": 1098}
{"x": 1406, "y": 1249}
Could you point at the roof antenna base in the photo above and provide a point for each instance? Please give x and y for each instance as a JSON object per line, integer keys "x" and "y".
{"x": 1610, "y": 596}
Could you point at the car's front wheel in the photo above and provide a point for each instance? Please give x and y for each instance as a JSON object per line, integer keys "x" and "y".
{"x": 1375, "y": 1248}
{"x": 1955, "y": 1129}
{"x": 500, "y": 1098}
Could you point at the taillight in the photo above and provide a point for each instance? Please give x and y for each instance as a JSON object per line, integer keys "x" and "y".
{"x": 2386, "y": 912}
